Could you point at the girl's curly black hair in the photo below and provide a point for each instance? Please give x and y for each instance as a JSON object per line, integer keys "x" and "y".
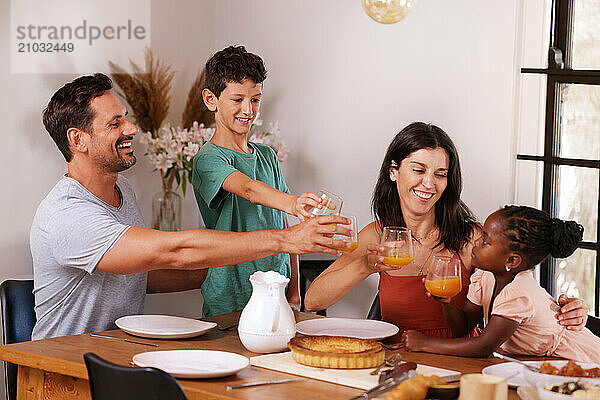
{"x": 536, "y": 235}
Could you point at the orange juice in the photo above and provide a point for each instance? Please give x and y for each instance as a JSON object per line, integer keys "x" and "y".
{"x": 444, "y": 287}
{"x": 350, "y": 249}
{"x": 398, "y": 260}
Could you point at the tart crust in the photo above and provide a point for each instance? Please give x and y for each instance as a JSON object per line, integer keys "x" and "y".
{"x": 336, "y": 352}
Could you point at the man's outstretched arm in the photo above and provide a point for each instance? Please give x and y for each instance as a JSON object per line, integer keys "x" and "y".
{"x": 142, "y": 249}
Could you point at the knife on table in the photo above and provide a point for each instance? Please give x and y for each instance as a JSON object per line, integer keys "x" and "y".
{"x": 397, "y": 371}
{"x": 400, "y": 373}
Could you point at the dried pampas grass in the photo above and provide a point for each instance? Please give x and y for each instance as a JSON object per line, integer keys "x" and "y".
{"x": 147, "y": 91}
{"x": 195, "y": 109}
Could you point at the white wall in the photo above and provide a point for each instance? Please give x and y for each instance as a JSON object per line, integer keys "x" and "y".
{"x": 340, "y": 85}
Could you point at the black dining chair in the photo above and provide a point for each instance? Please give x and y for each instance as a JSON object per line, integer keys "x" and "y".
{"x": 593, "y": 324}
{"x": 18, "y": 319}
{"x": 375, "y": 311}
{"x": 110, "y": 381}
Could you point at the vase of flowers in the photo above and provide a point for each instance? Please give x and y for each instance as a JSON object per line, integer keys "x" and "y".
{"x": 170, "y": 152}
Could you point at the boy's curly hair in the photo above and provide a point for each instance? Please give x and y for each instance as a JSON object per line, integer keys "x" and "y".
{"x": 233, "y": 64}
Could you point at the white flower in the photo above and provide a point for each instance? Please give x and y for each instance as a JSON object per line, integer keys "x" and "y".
{"x": 163, "y": 162}
{"x": 274, "y": 127}
{"x": 167, "y": 143}
{"x": 190, "y": 150}
{"x": 271, "y": 138}
{"x": 146, "y": 137}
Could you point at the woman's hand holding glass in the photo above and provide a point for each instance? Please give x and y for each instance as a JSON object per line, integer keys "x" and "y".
{"x": 397, "y": 246}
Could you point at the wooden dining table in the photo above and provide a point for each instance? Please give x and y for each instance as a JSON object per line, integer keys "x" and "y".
{"x": 54, "y": 368}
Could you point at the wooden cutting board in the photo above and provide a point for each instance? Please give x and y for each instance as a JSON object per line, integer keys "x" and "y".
{"x": 358, "y": 378}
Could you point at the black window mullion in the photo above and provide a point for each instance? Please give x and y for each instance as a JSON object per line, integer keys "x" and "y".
{"x": 574, "y": 162}
{"x": 563, "y": 28}
{"x": 597, "y": 289}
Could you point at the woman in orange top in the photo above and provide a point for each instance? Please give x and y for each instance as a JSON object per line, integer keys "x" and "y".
{"x": 419, "y": 187}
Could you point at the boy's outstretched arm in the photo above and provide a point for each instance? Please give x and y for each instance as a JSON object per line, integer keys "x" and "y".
{"x": 497, "y": 331}
{"x": 260, "y": 193}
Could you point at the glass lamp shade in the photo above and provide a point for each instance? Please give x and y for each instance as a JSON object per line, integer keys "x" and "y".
{"x": 387, "y": 11}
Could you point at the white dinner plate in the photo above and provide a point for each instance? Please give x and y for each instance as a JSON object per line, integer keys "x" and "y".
{"x": 511, "y": 371}
{"x": 358, "y": 328}
{"x": 193, "y": 363}
{"x": 163, "y": 326}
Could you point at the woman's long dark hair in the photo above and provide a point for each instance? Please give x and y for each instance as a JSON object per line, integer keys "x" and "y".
{"x": 453, "y": 218}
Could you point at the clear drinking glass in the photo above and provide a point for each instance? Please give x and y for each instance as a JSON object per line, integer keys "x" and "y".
{"x": 443, "y": 278}
{"x": 332, "y": 204}
{"x": 398, "y": 246}
{"x": 353, "y": 239}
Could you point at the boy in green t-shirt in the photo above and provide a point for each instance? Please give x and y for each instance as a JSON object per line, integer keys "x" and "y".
{"x": 238, "y": 184}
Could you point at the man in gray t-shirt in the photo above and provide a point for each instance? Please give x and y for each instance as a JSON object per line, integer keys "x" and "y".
{"x": 92, "y": 259}
{"x": 74, "y": 228}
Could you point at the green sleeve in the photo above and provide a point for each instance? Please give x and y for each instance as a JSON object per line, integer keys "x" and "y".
{"x": 211, "y": 168}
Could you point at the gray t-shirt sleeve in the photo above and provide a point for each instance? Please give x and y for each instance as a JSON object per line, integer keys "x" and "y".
{"x": 82, "y": 235}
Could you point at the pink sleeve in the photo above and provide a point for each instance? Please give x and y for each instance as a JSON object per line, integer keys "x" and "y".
{"x": 513, "y": 303}
{"x": 475, "y": 294}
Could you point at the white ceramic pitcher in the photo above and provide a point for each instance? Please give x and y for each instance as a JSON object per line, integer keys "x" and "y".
{"x": 267, "y": 322}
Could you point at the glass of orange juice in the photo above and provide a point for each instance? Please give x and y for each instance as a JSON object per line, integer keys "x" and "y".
{"x": 353, "y": 225}
{"x": 332, "y": 204}
{"x": 443, "y": 278}
{"x": 398, "y": 246}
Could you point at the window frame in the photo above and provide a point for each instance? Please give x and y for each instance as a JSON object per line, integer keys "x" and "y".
{"x": 559, "y": 71}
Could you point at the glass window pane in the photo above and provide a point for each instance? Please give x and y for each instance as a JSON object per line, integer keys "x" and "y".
{"x": 586, "y": 41}
{"x": 577, "y": 198}
{"x": 579, "y": 130}
{"x": 576, "y": 276}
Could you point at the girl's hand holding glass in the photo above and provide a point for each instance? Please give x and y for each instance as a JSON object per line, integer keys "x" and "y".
{"x": 398, "y": 246}
{"x": 443, "y": 278}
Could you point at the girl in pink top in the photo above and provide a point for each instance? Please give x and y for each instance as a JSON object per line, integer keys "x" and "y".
{"x": 519, "y": 314}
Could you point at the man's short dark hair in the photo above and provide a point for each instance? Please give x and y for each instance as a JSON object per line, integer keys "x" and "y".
{"x": 233, "y": 64}
{"x": 70, "y": 107}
